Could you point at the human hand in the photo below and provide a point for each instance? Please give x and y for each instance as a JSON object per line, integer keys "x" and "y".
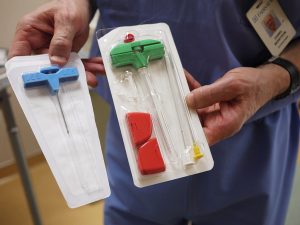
{"x": 56, "y": 28}
{"x": 92, "y": 67}
{"x": 225, "y": 105}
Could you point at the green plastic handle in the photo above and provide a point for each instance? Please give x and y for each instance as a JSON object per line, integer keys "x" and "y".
{"x": 137, "y": 53}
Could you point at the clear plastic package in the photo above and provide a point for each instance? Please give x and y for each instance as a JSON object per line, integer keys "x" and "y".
{"x": 163, "y": 138}
{"x": 57, "y": 105}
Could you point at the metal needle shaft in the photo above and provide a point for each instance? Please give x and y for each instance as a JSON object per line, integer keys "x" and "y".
{"x": 62, "y": 113}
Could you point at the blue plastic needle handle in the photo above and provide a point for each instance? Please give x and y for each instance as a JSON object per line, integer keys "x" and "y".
{"x": 51, "y": 76}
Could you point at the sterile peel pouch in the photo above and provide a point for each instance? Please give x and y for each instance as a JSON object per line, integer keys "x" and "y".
{"x": 70, "y": 144}
{"x": 163, "y": 138}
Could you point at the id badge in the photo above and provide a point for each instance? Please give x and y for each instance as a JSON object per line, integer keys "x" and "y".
{"x": 272, "y": 25}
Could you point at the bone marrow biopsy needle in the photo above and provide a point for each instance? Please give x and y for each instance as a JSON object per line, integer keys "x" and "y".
{"x": 51, "y": 76}
{"x": 138, "y": 54}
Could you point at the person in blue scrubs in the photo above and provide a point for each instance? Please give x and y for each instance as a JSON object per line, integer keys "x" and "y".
{"x": 253, "y": 137}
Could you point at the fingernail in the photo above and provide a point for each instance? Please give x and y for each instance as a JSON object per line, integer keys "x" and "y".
{"x": 190, "y": 99}
{"x": 60, "y": 60}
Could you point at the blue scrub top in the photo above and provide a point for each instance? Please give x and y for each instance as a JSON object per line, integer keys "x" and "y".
{"x": 257, "y": 164}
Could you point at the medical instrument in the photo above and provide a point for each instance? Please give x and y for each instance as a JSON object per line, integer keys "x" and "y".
{"x": 163, "y": 138}
{"x": 138, "y": 54}
{"x": 51, "y": 76}
{"x": 75, "y": 158}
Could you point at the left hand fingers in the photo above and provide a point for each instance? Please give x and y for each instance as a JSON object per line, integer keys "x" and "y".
{"x": 224, "y": 106}
{"x": 224, "y": 89}
{"x": 221, "y": 121}
{"x": 192, "y": 82}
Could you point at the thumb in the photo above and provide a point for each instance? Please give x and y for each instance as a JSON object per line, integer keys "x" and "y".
{"x": 204, "y": 96}
{"x": 61, "y": 43}
{"x": 192, "y": 82}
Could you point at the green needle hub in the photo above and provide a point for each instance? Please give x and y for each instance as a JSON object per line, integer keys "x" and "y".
{"x": 137, "y": 53}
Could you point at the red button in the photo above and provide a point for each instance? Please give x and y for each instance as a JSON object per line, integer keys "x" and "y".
{"x": 149, "y": 158}
{"x": 129, "y": 38}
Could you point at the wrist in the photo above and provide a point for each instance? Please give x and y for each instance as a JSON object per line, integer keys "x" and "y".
{"x": 278, "y": 79}
{"x": 83, "y": 7}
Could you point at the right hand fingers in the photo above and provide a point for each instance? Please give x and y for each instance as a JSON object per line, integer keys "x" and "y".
{"x": 70, "y": 31}
{"x": 94, "y": 65}
{"x": 91, "y": 79}
{"x": 61, "y": 43}
{"x": 56, "y": 28}
{"x": 31, "y": 34}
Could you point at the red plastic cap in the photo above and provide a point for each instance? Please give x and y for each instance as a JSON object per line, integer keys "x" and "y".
{"x": 129, "y": 38}
{"x": 150, "y": 160}
{"x": 140, "y": 127}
